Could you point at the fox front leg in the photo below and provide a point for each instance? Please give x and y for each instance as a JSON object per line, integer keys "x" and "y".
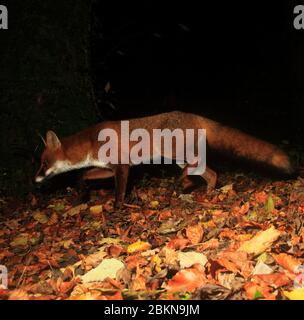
{"x": 121, "y": 179}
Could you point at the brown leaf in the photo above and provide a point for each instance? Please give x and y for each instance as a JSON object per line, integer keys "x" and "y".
{"x": 76, "y": 210}
{"x": 236, "y": 262}
{"x": 254, "y": 291}
{"x": 186, "y": 280}
{"x": 177, "y": 243}
{"x": 195, "y": 233}
{"x": 287, "y": 262}
{"x": 274, "y": 280}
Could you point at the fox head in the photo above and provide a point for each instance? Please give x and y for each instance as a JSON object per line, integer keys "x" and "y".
{"x": 52, "y": 159}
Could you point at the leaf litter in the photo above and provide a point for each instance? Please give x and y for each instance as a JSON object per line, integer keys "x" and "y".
{"x": 237, "y": 242}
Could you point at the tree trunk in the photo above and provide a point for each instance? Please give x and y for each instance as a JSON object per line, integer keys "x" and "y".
{"x": 45, "y": 82}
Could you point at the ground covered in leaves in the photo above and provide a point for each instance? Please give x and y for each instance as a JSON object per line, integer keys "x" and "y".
{"x": 242, "y": 241}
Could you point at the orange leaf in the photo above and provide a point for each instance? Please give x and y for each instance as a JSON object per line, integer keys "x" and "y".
{"x": 227, "y": 233}
{"x": 274, "y": 280}
{"x": 252, "y": 290}
{"x": 114, "y": 250}
{"x": 235, "y": 261}
{"x": 287, "y": 262}
{"x": 178, "y": 243}
{"x": 261, "y": 197}
{"x": 164, "y": 215}
{"x": 195, "y": 233}
{"x": 186, "y": 280}
{"x": 134, "y": 261}
{"x": 210, "y": 244}
{"x": 139, "y": 283}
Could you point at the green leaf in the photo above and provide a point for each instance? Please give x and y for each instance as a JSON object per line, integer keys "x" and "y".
{"x": 186, "y": 296}
{"x": 258, "y": 295}
{"x": 269, "y": 204}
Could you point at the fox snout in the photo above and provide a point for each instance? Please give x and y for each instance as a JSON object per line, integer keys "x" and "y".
{"x": 43, "y": 174}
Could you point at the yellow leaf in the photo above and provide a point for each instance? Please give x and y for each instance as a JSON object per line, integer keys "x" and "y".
{"x": 96, "y": 209}
{"x": 66, "y": 243}
{"x": 226, "y": 188}
{"x": 296, "y": 294}
{"x": 21, "y": 240}
{"x": 261, "y": 241}
{"x": 154, "y": 204}
{"x": 157, "y": 260}
{"x": 138, "y": 246}
{"x": 40, "y": 217}
{"x": 77, "y": 209}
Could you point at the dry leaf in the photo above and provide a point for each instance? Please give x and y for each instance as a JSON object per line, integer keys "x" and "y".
{"x": 195, "y": 233}
{"x": 75, "y": 210}
{"x": 107, "y": 268}
{"x": 138, "y": 246}
{"x": 261, "y": 241}
{"x": 188, "y": 259}
{"x": 296, "y": 294}
{"x": 186, "y": 280}
{"x": 96, "y": 209}
{"x": 287, "y": 262}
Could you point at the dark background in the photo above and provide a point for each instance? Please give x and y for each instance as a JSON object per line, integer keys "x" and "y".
{"x": 240, "y": 63}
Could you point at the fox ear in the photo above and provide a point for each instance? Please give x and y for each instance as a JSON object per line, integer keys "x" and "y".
{"x": 52, "y": 140}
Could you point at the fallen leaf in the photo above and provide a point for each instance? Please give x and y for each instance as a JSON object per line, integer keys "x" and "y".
{"x": 255, "y": 291}
{"x": 186, "y": 280}
{"x": 177, "y": 243}
{"x": 157, "y": 261}
{"x": 138, "y": 246}
{"x": 76, "y": 210}
{"x": 154, "y": 204}
{"x": 287, "y": 261}
{"x": 261, "y": 197}
{"x": 275, "y": 280}
{"x": 269, "y": 204}
{"x": 96, "y": 209}
{"x": 210, "y": 244}
{"x": 21, "y": 240}
{"x": 107, "y": 268}
{"x": 139, "y": 282}
{"x": 195, "y": 233}
{"x": 261, "y": 241}
{"x": 236, "y": 262}
{"x": 40, "y": 217}
{"x": 188, "y": 259}
{"x": 296, "y": 294}
{"x": 262, "y": 268}
{"x": 226, "y": 188}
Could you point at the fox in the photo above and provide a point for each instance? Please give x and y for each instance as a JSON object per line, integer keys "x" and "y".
{"x": 81, "y": 150}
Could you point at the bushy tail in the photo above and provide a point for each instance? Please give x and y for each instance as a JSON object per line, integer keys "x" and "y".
{"x": 242, "y": 145}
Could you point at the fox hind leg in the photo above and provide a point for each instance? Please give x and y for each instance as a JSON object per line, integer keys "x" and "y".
{"x": 209, "y": 176}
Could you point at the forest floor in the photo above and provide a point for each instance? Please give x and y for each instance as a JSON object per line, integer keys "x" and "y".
{"x": 244, "y": 240}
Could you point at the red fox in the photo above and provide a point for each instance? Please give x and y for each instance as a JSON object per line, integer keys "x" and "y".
{"x": 81, "y": 150}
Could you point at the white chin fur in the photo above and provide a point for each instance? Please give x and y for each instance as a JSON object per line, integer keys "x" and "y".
{"x": 39, "y": 179}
